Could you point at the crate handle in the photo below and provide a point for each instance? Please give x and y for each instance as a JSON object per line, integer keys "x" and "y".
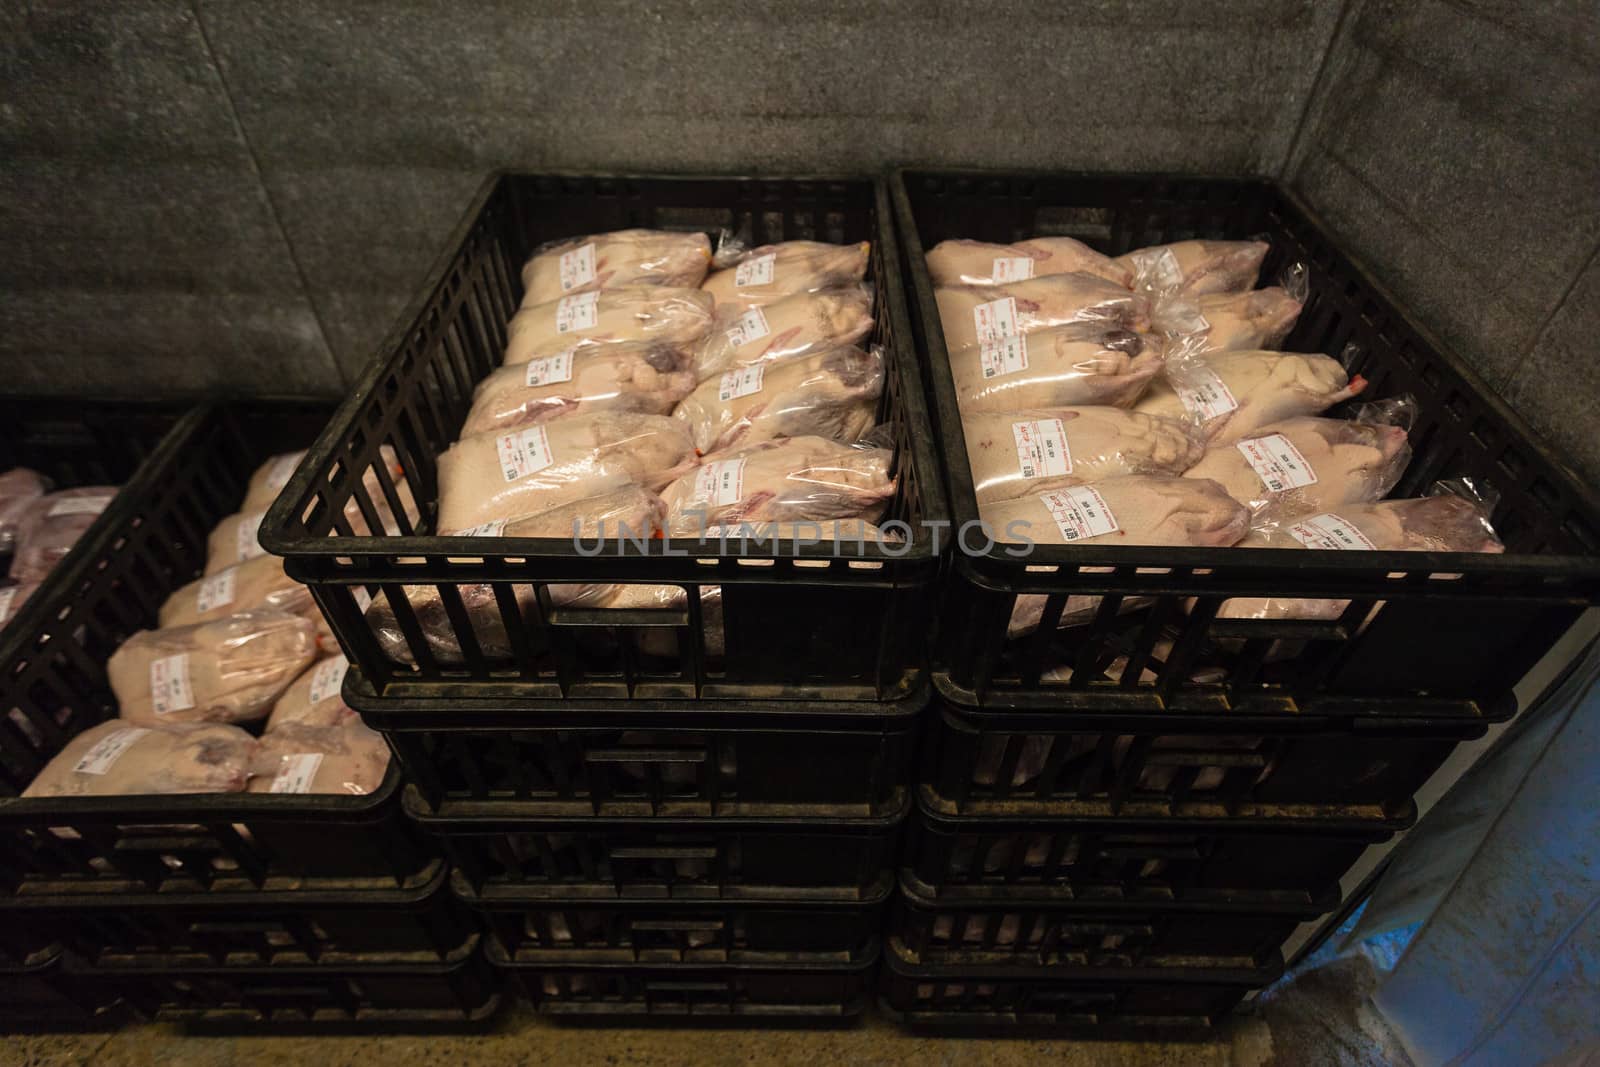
{"x": 675, "y": 925}
{"x": 679, "y": 852}
{"x": 630, "y": 618}
{"x": 666, "y": 986}
{"x": 645, "y": 755}
{"x": 242, "y": 926}
{"x": 1195, "y": 757}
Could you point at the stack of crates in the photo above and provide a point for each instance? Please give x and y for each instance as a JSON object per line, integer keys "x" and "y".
{"x": 685, "y": 811}
{"x": 1118, "y": 823}
{"x": 249, "y": 909}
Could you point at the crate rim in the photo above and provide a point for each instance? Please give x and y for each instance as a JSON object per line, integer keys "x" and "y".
{"x": 523, "y": 897}
{"x": 962, "y": 501}
{"x": 901, "y": 967}
{"x": 61, "y": 895}
{"x": 495, "y": 953}
{"x": 276, "y": 539}
{"x": 919, "y": 895}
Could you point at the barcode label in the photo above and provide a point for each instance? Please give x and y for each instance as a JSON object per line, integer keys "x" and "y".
{"x": 78, "y": 505}
{"x": 247, "y": 538}
{"x": 109, "y": 749}
{"x": 1005, "y": 356}
{"x": 170, "y": 688}
{"x": 1278, "y": 464}
{"x": 1080, "y": 512}
{"x": 752, "y": 326}
{"x": 297, "y": 773}
{"x": 743, "y": 382}
{"x": 1329, "y": 531}
{"x": 523, "y": 453}
{"x": 1042, "y": 448}
{"x": 550, "y": 370}
{"x": 579, "y": 312}
{"x": 720, "y": 483}
{"x": 215, "y": 592}
{"x": 1205, "y": 395}
{"x": 327, "y": 679}
{"x": 1012, "y": 269}
{"x": 995, "y": 320}
{"x": 8, "y": 597}
{"x": 577, "y": 268}
{"x": 757, "y": 271}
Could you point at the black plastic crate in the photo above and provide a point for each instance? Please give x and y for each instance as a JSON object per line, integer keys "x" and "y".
{"x": 1017, "y": 998}
{"x": 499, "y": 850}
{"x": 600, "y": 992}
{"x": 539, "y": 930}
{"x": 799, "y": 622}
{"x": 112, "y": 930}
{"x": 682, "y": 758}
{"x": 1147, "y": 861}
{"x": 52, "y": 678}
{"x": 375, "y": 992}
{"x": 1452, "y": 631}
{"x": 39, "y": 993}
{"x": 1304, "y": 767}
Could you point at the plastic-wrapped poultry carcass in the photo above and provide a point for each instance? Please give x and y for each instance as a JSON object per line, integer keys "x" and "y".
{"x": 1058, "y": 367}
{"x": 227, "y": 670}
{"x": 640, "y": 377}
{"x": 1033, "y": 751}
{"x": 269, "y": 479}
{"x": 315, "y": 698}
{"x": 793, "y": 326}
{"x": 237, "y": 538}
{"x": 257, "y": 583}
{"x": 832, "y": 394}
{"x": 1304, "y": 465}
{"x": 12, "y": 597}
{"x": 768, "y": 273}
{"x": 1028, "y": 451}
{"x": 119, "y": 758}
{"x": 976, "y": 315}
{"x": 1196, "y": 267}
{"x": 960, "y": 262}
{"x": 1231, "y": 395}
{"x": 794, "y": 479}
{"x": 656, "y": 314}
{"x": 347, "y": 758}
{"x": 51, "y": 525}
{"x": 498, "y": 476}
{"x": 613, "y": 260}
{"x": 1230, "y": 322}
{"x": 19, "y": 487}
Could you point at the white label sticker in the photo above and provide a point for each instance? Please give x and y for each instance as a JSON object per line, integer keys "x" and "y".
{"x": 78, "y": 505}
{"x": 1005, "y": 356}
{"x": 1080, "y": 512}
{"x": 8, "y": 597}
{"x": 550, "y": 370}
{"x": 247, "y": 539}
{"x": 1278, "y": 464}
{"x": 282, "y": 469}
{"x": 757, "y": 271}
{"x": 752, "y": 326}
{"x": 524, "y": 452}
{"x": 579, "y": 312}
{"x": 492, "y": 528}
{"x": 327, "y": 679}
{"x": 1205, "y": 395}
{"x": 170, "y": 689}
{"x": 743, "y": 382}
{"x": 107, "y": 750}
{"x": 1042, "y": 448}
{"x": 1329, "y": 531}
{"x": 720, "y": 483}
{"x": 1163, "y": 270}
{"x": 995, "y": 320}
{"x": 1012, "y": 269}
{"x": 577, "y": 267}
{"x": 297, "y": 773}
{"x": 363, "y": 598}
{"x": 215, "y": 592}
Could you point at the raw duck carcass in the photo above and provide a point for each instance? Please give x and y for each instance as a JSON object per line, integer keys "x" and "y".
{"x": 1229, "y": 322}
{"x": 1058, "y": 367}
{"x": 792, "y": 326}
{"x": 269, "y": 479}
{"x": 1032, "y": 450}
{"x": 642, "y": 377}
{"x": 1233, "y": 394}
{"x": 960, "y": 262}
{"x": 19, "y": 487}
{"x": 119, "y": 758}
{"x": 613, "y": 260}
{"x": 628, "y": 512}
{"x": 499, "y": 476}
{"x": 348, "y": 758}
{"x": 1445, "y": 522}
{"x": 1196, "y": 267}
{"x": 771, "y": 272}
{"x": 12, "y": 597}
{"x": 832, "y": 394}
{"x": 50, "y": 525}
{"x": 657, "y": 314}
{"x": 237, "y": 538}
{"x": 226, "y": 670}
{"x": 975, "y": 315}
{"x": 1304, "y": 465}
{"x": 315, "y": 698}
{"x": 793, "y": 480}
{"x": 257, "y": 583}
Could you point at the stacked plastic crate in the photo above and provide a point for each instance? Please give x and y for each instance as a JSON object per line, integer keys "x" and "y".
{"x": 1119, "y": 822}
{"x": 224, "y": 908}
{"x": 684, "y": 810}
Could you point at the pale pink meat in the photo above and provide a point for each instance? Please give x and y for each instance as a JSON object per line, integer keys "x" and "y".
{"x": 832, "y": 394}
{"x": 120, "y": 758}
{"x": 348, "y": 759}
{"x": 1147, "y": 509}
{"x": 772, "y": 272}
{"x": 1248, "y": 390}
{"x": 642, "y": 377}
{"x": 51, "y": 524}
{"x": 657, "y": 314}
{"x": 973, "y": 315}
{"x": 794, "y": 479}
{"x": 792, "y": 326}
{"x": 612, "y": 260}
{"x": 962, "y": 262}
{"x": 19, "y": 487}
{"x": 1230, "y": 322}
{"x": 1196, "y": 267}
{"x": 1056, "y": 367}
{"x": 322, "y": 680}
